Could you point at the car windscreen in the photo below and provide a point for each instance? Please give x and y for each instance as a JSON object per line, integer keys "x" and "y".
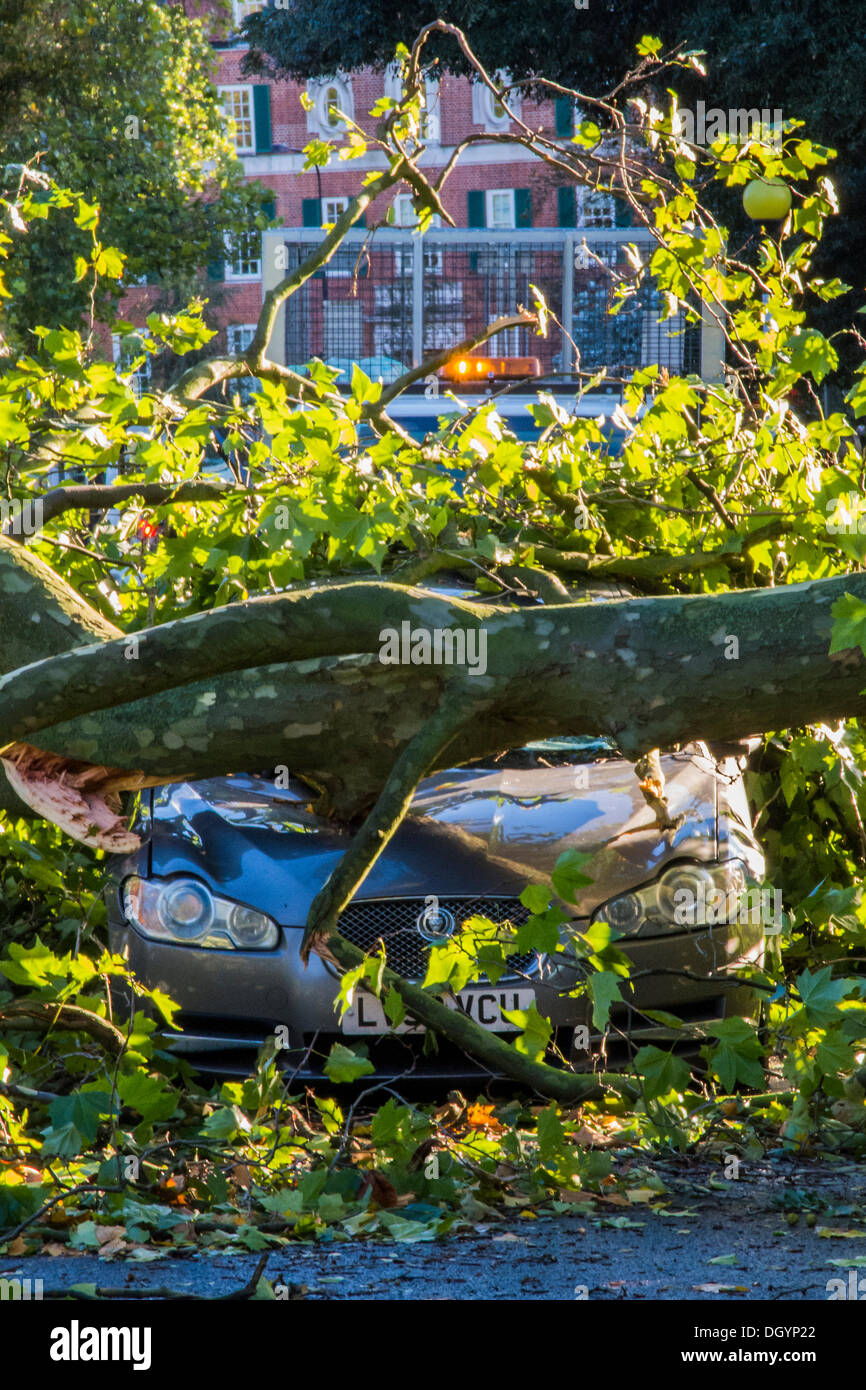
{"x": 565, "y": 751}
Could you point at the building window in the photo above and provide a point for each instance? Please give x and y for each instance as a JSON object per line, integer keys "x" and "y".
{"x": 488, "y": 110}
{"x": 405, "y": 214}
{"x": 500, "y": 208}
{"x": 332, "y": 106}
{"x": 244, "y": 8}
{"x": 239, "y": 336}
{"x": 238, "y": 109}
{"x": 332, "y": 210}
{"x": 125, "y": 351}
{"x": 404, "y": 260}
{"x": 431, "y": 126}
{"x": 244, "y": 256}
{"x": 595, "y": 209}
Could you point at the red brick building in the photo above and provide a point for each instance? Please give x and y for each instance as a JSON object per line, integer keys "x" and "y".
{"x": 494, "y": 186}
{"x": 504, "y": 201}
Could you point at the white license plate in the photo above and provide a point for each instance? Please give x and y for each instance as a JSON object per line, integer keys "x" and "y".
{"x": 485, "y": 1006}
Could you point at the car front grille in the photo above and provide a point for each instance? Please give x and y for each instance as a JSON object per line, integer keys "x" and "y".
{"x": 394, "y": 920}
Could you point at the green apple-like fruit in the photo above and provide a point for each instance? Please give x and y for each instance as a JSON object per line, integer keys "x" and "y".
{"x": 767, "y": 200}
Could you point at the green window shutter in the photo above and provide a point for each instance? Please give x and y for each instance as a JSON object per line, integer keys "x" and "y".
{"x": 476, "y": 208}
{"x": 269, "y": 208}
{"x": 262, "y": 118}
{"x": 311, "y": 209}
{"x": 566, "y": 206}
{"x": 216, "y": 270}
{"x": 564, "y": 117}
{"x": 622, "y": 213}
{"x": 523, "y": 207}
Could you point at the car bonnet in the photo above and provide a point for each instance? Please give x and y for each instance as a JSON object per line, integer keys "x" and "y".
{"x": 470, "y": 832}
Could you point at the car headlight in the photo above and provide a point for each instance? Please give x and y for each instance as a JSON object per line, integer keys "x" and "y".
{"x": 685, "y": 895}
{"x": 186, "y": 912}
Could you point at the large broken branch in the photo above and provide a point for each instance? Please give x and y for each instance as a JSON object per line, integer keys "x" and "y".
{"x": 751, "y": 660}
{"x": 393, "y": 802}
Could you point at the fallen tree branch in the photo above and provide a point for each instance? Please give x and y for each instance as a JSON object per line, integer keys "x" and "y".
{"x": 384, "y": 819}
{"x": 39, "y": 1016}
{"x": 322, "y": 933}
{"x": 94, "y": 497}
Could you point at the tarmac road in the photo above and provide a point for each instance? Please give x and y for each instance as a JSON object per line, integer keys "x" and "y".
{"x": 666, "y": 1256}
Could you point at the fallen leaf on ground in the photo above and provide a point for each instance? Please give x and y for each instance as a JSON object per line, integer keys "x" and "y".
{"x": 482, "y": 1117}
{"x": 720, "y": 1288}
{"x": 382, "y": 1192}
{"x": 105, "y": 1234}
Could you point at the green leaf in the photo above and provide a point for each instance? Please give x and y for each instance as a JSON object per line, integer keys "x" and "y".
{"x": 849, "y": 624}
{"x": 536, "y": 897}
{"x": 811, "y": 352}
{"x": 736, "y": 1057}
{"x": 663, "y": 1072}
{"x": 75, "y": 1121}
{"x": 346, "y": 1063}
{"x": 603, "y": 985}
{"x": 821, "y": 994}
{"x": 533, "y": 1040}
{"x": 147, "y": 1094}
{"x": 541, "y": 932}
{"x": 567, "y": 876}
{"x": 550, "y": 1132}
{"x": 87, "y": 216}
{"x": 363, "y": 389}
{"x": 649, "y": 47}
{"x": 395, "y": 1009}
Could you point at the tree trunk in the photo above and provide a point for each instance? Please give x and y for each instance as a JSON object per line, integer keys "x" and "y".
{"x": 296, "y": 680}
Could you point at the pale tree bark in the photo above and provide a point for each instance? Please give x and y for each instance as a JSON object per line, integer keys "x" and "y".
{"x": 296, "y": 678}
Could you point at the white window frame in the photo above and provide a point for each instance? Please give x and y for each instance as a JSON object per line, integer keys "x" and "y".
{"x": 431, "y": 125}
{"x": 317, "y": 117}
{"x": 489, "y": 195}
{"x": 405, "y": 214}
{"x": 595, "y": 208}
{"x": 239, "y": 336}
{"x": 333, "y": 207}
{"x": 242, "y": 9}
{"x": 141, "y": 376}
{"x": 245, "y": 91}
{"x": 233, "y": 259}
{"x": 484, "y": 104}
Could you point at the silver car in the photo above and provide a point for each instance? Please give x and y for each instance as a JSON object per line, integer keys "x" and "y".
{"x": 212, "y": 908}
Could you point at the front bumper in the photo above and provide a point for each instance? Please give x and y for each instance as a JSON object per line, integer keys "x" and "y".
{"x": 232, "y": 1002}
